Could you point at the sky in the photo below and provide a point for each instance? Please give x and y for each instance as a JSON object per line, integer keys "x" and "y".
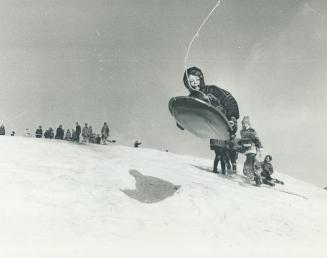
{"x": 121, "y": 62}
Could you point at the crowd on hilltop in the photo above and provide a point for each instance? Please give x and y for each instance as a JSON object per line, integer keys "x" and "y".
{"x": 78, "y": 134}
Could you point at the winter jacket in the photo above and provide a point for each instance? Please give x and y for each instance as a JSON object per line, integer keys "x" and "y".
{"x": 85, "y": 131}
{"x": 223, "y": 97}
{"x": 78, "y": 129}
{"x": 51, "y": 134}
{"x": 2, "y": 130}
{"x": 105, "y": 131}
{"x": 98, "y": 139}
{"x": 250, "y": 141}
{"x": 74, "y": 136}
{"x": 90, "y": 133}
{"x": 60, "y": 133}
{"x": 68, "y": 136}
{"x": 267, "y": 168}
{"x": 38, "y": 133}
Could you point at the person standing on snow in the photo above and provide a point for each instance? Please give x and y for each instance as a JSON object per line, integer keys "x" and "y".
{"x": 85, "y": 133}
{"x": 105, "y": 132}
{"x": 2, "y": 130}
{"x": 39, "y": 132}
{"x": 78, "y": 131}
{"x": 219, "y": 147}
{"x": 60, "y": 133}
{"x": 90, "y": 137}
{"x": 231, "y": 154}
{"x": 74, "y": 135}
{"x": 68, "y": 135}
{"x": 251, "y": 145}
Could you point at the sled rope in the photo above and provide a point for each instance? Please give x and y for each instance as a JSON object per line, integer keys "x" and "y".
{"x": 196, "y": 35}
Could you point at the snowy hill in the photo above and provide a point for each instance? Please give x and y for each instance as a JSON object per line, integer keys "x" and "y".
{"x": 60, "y": 199}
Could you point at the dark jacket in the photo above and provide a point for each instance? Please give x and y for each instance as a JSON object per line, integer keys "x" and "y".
{"x": 223, "y": 97}
{"x": 60, "y": 133}
{"x": 2, "y": 130}
{"x": 38, "y": 133}
{"x": 267, "y": 168}
{"x": 78, "y": 129}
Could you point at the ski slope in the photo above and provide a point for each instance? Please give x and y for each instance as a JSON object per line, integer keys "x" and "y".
{"x": 59, "y": 199}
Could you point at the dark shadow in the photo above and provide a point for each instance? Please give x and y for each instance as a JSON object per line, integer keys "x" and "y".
{"x": 204, "y": 168}
{"x": 149, "y": 189}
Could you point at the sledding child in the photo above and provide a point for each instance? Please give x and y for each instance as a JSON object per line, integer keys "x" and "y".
{"x": 267, "y": 170}
{"x": 194, "y": 81}
{"x": 219, "y": 98}
{"x": 252, "y": 146}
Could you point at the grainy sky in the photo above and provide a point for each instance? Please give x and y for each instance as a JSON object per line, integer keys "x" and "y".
{"x": 121, "y": 61}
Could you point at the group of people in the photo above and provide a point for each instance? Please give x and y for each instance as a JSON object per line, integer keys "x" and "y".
{"x": 226, "y": 152}
{"x": 78, "y": 134}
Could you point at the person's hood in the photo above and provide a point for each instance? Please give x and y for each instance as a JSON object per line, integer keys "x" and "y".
{"x": 193, "y": 71}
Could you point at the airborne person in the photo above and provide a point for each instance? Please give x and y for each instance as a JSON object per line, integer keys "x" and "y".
{"x": 222, "y": 100}
{"x": 194, "y": 81}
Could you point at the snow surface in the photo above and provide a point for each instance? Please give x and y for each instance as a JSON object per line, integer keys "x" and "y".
{"x": 59, "y": 199}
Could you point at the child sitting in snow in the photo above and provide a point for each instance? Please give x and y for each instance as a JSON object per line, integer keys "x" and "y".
{"x": 267, "y": 170}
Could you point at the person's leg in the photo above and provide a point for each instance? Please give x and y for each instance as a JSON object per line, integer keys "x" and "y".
{"x": 215, "y": 163}
{"x": 228, "y": 161}
{"x": 233, "y": 157}
{"x": 222, "y": 162}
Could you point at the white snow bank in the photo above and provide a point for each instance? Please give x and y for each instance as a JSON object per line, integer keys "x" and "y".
{"x": 59, "y": 199}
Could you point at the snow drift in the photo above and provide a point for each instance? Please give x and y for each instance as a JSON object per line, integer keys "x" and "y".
{"x": 59, "y": 199}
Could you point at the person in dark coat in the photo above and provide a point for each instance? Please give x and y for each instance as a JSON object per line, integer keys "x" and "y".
{"x": 219, "y": 147}
{"x": 39, "y": 132}
{"x": 105, "y": 132}
{"x": 231, "y": 154}
{"x": 137, "y": 144}
{"x": 2, "y": 130}
{"x": 194, "y": 81}
{"x": 78, "y": 131}
{"x": 98, "y": 139}
{"x": 267, "y": 171}
{"x": 74, "y": 136}
{"x": 51, "y": 133}
{"x": 60, "y": 133}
